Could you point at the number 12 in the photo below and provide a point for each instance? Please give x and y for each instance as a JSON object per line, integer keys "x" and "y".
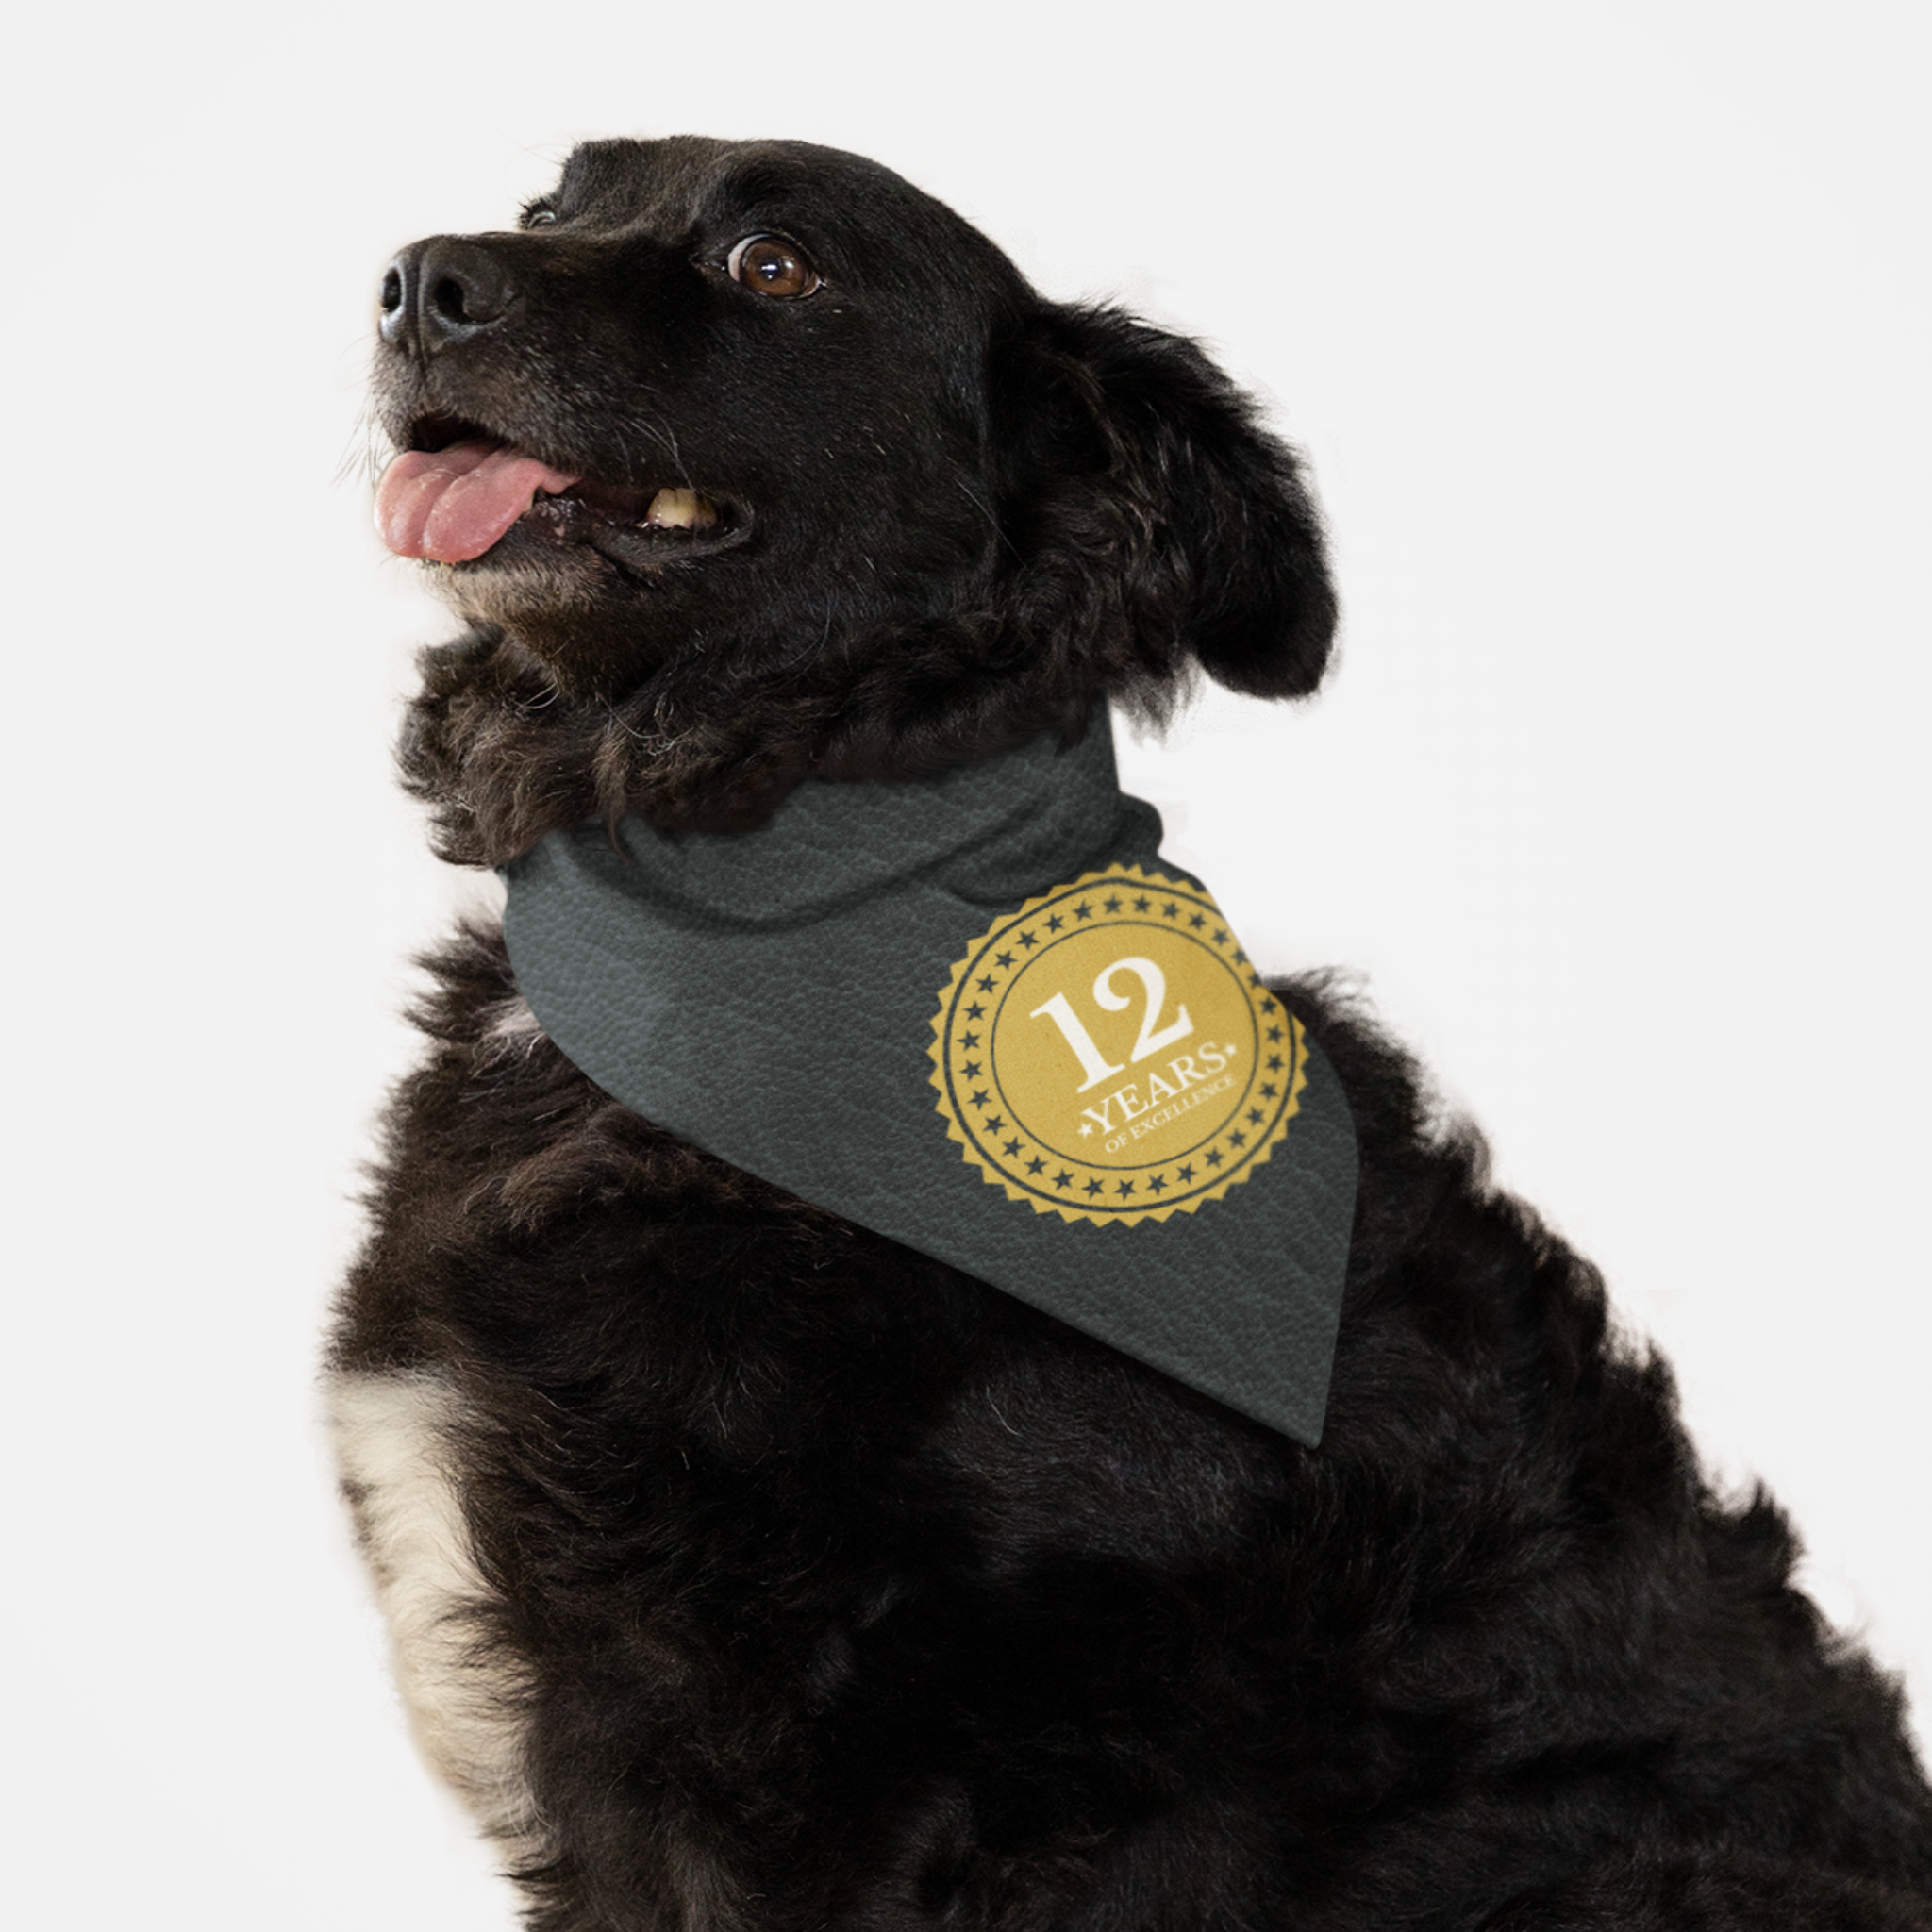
{"x": 1092, "y": 1063}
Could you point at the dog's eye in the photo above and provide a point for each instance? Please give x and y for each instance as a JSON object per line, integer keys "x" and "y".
{"x": 773, "y": 266}
{"x": 539, "y": 214}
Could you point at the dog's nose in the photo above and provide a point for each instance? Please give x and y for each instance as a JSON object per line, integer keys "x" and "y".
{"x": 443, "y": 292}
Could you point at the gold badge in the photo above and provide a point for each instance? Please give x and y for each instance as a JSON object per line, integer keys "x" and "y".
{"x": 1107, "y": 1052}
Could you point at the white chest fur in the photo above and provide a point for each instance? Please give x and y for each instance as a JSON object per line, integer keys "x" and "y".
{"x": 399, "y": 1440}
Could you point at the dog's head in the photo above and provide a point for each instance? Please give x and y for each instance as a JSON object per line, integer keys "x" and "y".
{"x": 747, "y": 460}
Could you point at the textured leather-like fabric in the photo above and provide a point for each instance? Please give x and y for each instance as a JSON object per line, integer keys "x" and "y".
{"x": 770, "y": 997}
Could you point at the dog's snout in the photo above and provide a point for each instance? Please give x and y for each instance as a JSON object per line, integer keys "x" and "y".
{"x": 443, "y": 292}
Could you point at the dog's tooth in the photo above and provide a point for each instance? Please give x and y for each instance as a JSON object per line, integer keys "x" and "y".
{"x": 680, "y": 509}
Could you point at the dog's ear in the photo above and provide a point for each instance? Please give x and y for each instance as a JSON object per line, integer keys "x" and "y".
{"x": 1144, "y": 463}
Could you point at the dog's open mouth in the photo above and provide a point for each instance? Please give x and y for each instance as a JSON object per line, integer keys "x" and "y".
{"x": 458, "y": 492}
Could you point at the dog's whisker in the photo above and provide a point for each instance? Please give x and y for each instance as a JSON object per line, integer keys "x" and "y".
{"x": 362, "y": 454}
{"x": 985, "y": 508}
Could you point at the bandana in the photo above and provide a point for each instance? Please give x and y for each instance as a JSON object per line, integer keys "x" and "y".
{"x": 978, "y": 1014}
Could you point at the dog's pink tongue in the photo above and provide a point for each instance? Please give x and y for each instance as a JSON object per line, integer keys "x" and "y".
{"x": 453, "y": 505}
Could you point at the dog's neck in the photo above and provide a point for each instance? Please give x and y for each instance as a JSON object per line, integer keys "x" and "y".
{"x": 505, "y": 754}
{"x": 989, "y": 832}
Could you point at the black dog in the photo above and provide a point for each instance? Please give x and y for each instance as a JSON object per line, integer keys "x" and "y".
{"x": 750, "y": 1570}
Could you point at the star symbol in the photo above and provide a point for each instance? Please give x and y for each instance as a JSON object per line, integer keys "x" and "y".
{"x": 1237, "y": 1138}
{"x": 1185, "y": 1173}
{"x": 1027, "y": 940}
{"x": 971, "y": 1071}
{"x": 1274, "y": 1033}
{"x": 1110, "y": 905}
{"x": 1230, "y": 1050}
{"x": 1054, "y": 924}
{"x": 1124, "y": 1189}
{"x": 1170, "y": 910}
{"x": 1083, "y": 910}
{"x": 1268, "y": 1091}
{"x": 1213, "y": 1159}
{"x": 968, "y": 1042}
{"x": 994, "y": 1125}
{"x": 1086, "y": 1128}
{"x": 1254, "y": 977}
{"x": 975, "y": 1010}
{"x": 1002, "y": 958}
{"x": 1267, "y": 1005}
{"x": 1274, "y": 1063}
{"x": 1063, "y": 1179}
{"x": 980, "y": 1097}
{"x": 1255, "y": 1116}
{"x": 1012, "y": 1148}
{"x": 987, "y": 984}
{"x": 1141, "y": 904}
{"x": 1159, "y": 1182}
{"x": 1241, "y": 959}
{"x": 1036, "y": 1165}
{"x": 1198, "y": 921}
{"x": 1095, "y": 1187}
{"x": 1221, "y": 935}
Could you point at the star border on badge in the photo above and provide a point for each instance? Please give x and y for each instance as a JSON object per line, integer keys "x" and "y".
{"x": 1051, "y": 1181}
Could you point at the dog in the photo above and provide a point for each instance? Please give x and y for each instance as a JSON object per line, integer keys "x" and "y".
{"x": 748, "y": 1569}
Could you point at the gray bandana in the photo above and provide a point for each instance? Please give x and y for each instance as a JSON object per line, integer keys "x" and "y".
{"x": 978, "y": 1014}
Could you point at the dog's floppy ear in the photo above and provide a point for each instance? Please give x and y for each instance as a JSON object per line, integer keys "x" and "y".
{"x": 1148, "y": 464}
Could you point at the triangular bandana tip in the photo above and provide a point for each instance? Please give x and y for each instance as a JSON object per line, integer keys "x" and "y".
{"x": 1085, "y": 1096}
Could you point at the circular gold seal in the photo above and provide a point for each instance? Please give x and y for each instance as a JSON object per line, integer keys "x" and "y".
{"x": 1108, "y": 1053}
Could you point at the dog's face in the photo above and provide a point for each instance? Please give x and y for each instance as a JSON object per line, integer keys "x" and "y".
{"x": 747, "y": 460}
{"x": 738, "y": 369}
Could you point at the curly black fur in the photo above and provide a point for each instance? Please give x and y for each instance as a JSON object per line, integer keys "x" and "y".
{"x": 826, "y": 1586}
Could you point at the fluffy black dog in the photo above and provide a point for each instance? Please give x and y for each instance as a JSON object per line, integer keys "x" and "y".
{"x": 748, "y": 1571}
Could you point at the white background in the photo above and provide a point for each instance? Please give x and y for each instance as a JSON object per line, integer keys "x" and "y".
{"x": 1605, "y": 330}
